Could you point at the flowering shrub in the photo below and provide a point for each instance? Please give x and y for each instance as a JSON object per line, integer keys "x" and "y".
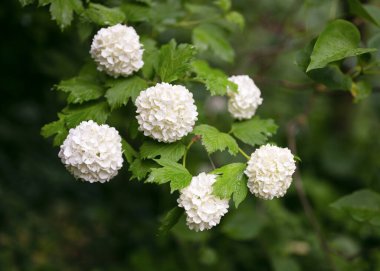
{"x": 157, "y": 79}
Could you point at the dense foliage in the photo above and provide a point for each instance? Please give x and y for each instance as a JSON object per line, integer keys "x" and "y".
{"x": 316, "y": 63}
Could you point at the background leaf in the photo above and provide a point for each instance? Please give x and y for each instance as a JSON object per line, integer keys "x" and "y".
{"x": 102, "y": 15}
{"x": 339, "y": 40}
{"x": 170, "y": 219}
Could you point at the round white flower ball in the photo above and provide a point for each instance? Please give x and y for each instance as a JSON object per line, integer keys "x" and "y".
{"x": 270, "y": 171}
{"x": 243, "y": 103}
{"x": 117, "y": 50}
{"x": 203, "y": 209}
{"x": 166, "y": 112}
{"x": 92, "y": 152}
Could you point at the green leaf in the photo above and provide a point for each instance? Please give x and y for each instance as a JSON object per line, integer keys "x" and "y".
{"x": 122, "y": 89}
{"x": 128, "y": 151}
{"x": 361, "y": 90}
{"x": 174, "y": 61}
{"x": 170, "y": 220}
{"x": 223, "y": 4}
{"x": 136, "y": 13}
{"x": 254, "y": 131}
{"x": 80, "y": 89}
{"x": 358, "y": 9}
{"x": 26, "y": 2}
{"x": 214, "y": 140}
{"x": 152, "y": 149}
{"x": 62, "y": 11}
{"x": 339, "y": 40}
{"x": 172, "y": 172}
{"x": 332, "y": 77}
{"x": 97, "y": 112}
{"x": 151, "y": 57}
{"x": 56, "y": 128}
{"x": 244, "y": 223}
{"x": 215, "y": 80}
{"x": 236, "y": 18}
{"x": 140, "y": 168}
{"x": 103, "y": 15}
{"x": 362, "y": 205}
{"x": 231, "y": 180}
{"x": 208, "y": 36}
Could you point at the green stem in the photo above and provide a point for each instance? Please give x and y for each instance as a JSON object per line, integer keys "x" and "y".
{"x": 244, "y": 154}
{"x": 194, "y": 139}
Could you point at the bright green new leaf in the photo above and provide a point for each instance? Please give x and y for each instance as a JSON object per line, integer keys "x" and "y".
{"x": 122, "y": 89}
{"x": 97, "y": 112}
{"x": 231, "y": 180}
{"x": 361, "y": 90}
{"x": 362, "y": 205}
{"x": 128, "y": 151}
{"x": 254, "y": 131}
{"x": 214, "y": 140}
{"x": 209, "y": 36}
{"x": 170, "y": 219}
{"x": 178, "y": 176}
{"x": 358, "y": 9}
{"x": 80, "y": 89}
{"x": 103, "y": 15}
{"x": 339, "y": 40}
{"x": 174, "y": 61}
{"x": 152, "y": 149}
{"x": 140, "y": 168}
{"x": 62, "y": 11}
{"x": 57, "y": 128}
{"x": 216, "y": 81}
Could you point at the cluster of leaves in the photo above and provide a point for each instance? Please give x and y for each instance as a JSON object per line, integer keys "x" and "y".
{"x": 325, "y": 59}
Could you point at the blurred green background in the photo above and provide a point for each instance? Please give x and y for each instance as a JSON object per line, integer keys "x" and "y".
{"x": 49, "y": 221}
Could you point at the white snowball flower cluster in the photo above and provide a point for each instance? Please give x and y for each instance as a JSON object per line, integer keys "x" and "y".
{"x": 117, "y": 50}
{"x": 243, "y": 104}
{"x": 270, "y": 171}
{"x": 92, "y": 152}
{"x": 203, "y": 209}
{"x": 166, "y": 112}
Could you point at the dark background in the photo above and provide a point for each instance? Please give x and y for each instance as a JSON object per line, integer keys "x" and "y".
{"x": 50, "y": 221}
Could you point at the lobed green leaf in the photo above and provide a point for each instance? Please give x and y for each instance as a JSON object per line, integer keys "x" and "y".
{"x": 214, "y": 140}
{"x": 254, "y": 131}
{"x": 102, "y": 15}
{"x": 178, "y": 176}
{"x": 231, "y": 181}
{"x": 152, "y": 149}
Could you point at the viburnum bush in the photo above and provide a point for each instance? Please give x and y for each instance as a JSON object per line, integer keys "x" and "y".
{"x": 138, "y": 73}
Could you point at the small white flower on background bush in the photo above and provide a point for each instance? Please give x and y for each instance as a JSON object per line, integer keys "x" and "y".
{"x": 203, "y": 209}
{"x": 92, "y": 152}
{"x": 117, "y": 50}
{"x": 270, "y": 171}
{"x": 166, "y": 112}
{"x": 244, "y": 103}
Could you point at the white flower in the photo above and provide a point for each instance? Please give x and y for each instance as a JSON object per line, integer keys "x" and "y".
{"x": 117, "y": 50}
{"x": 203, "y": 209}
{"x": 92, "y": 152}
{"x": 270, "y": 171}
{"x": 243, "y": 104}
{"x": 166, "y": 112}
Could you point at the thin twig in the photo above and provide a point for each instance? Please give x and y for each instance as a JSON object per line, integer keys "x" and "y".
{"x": 310, "y": 214}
